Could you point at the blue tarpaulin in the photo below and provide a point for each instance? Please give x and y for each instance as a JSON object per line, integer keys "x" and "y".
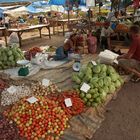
{"x": 1, "y": 13}
{"x": 39, "y": 4}
{"x": 83, "y": 2}
{"x": 57, "y": 2}
{"x": 37, "y": 7}
{"x": 34, "y": 10}
{"x": 63, "y": 2}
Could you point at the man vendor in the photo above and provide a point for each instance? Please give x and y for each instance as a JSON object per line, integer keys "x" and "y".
{"x": 106, "y": 33}
{"x": 69, "y": 46}
{"x": 131, "y": 60}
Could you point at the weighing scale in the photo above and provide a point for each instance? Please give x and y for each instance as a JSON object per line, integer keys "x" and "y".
{"x": 77, "y": 64}
{"x": 24, "y": 70}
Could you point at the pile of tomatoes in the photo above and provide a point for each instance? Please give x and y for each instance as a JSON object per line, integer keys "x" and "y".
{"x": 44, "y": 119}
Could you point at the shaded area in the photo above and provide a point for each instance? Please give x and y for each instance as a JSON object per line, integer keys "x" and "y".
{"x": 123, "y": 116}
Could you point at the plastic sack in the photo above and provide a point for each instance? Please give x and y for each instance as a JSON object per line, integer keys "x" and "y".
{"x": 92, "y": 44}
{"x": 13, "y": 38}
{"x": 68, "y": 34}
{"x": 107, "y": 57}
{"x": 39, "y": 58}
{"x": 2, "y": 43}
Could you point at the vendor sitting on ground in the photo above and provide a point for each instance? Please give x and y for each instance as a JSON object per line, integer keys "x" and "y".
{"x": 131, "y": 60}
{"x": 106, "y": 33}
{"x": 21, "y": 20}
{"x": 69, "y": 46}
{"x": 1, "y": 22}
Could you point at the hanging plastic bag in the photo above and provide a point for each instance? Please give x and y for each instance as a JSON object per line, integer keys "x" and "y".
{"x": 13, "y": 38}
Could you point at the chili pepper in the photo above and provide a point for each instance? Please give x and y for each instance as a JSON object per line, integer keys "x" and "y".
{"x": 77, "y": 104}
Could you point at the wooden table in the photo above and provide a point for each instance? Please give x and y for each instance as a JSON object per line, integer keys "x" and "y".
{"x": 64, "y": 21}
{"x": 3, "y": 29}
{"x": 20, "y": 31}
{"x": 129, "y": 17}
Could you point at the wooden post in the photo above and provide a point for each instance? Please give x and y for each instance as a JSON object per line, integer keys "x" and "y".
{"x": 99, "y": 9}
{"x": 89, "y": 19}
{"x": 68, "y": 16}
{"x": 111, "y": 5}
{"x": 119, "y": 2}
{"x": 68, "y": 19}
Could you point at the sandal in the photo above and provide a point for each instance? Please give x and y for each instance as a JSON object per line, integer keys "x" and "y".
{"x": 135, "y": 79}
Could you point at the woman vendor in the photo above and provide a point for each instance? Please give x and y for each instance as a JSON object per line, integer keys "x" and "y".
{"x": 131, "y": 60}
{"x": 69, "y": 46}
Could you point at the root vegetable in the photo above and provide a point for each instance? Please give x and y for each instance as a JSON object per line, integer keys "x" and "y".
{"x": 8, "y": 98}
{"x": 39, "y": 89}
{"x": 8, "y": 130}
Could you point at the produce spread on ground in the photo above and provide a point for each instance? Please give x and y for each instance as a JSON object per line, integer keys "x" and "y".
{"x": 41, "y": 110}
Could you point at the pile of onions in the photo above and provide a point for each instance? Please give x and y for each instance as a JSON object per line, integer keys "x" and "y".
{"x": 8, "y": 130}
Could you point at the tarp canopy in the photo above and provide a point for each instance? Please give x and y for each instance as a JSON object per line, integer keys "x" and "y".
{"x": 57, "y": 2}
{"x": 57, "y": 8}
{"x": 40, "y": 4}
{"x": 10, "y": 7}
{"x": 38, "y": 7}
{"x": 17, "y": 12}
{"x": 1, "y": 13}
{"x": 83, "y": 8}
{"x": 34, "y": 10}
{"x": 83, "y": 2}
{"x": 63, "y": 2}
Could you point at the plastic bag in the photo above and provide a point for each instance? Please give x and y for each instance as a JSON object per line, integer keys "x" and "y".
{"x": 13, "y": 38}
{"x": 2, "y": 43}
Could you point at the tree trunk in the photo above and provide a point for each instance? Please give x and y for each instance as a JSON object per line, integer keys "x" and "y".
{"x": 111, "y": 6}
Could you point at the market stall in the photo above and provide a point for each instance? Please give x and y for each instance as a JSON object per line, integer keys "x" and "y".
{"x": 64, "y": 100}
{"x": 44, "y": 98}
{"x": 3, "y": 29}
{"x": 64, "y": 22}
{"x": 20, "y": 31}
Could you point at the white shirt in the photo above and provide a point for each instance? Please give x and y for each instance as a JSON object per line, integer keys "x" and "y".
{"x": 7, "y": 19}
{"x": 106, "y": 32}
{"x": 110, "y": 15}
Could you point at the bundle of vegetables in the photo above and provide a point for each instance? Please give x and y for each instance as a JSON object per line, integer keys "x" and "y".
{"x": 122, "y": 28}
{"x": 43, "y": 119}
{"x": 9, "y": 57}
{"x": 39, "y": 89}
{"x": 77, "y": 106}
{"x": 101, "y": 18}
{"x": 50, "y": 49}
{"x": 10, "y": 98}
{"x": 128, "y": 22}
{"x": 8, "y": 130}
{"x": 32, "y": 52}
{"x": 3, "y": 85}
{"x": 102, "y": 79}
